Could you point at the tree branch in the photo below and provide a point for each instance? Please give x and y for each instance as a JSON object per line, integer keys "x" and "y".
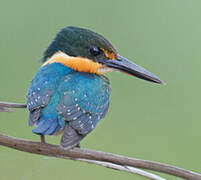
{"x": 58, "y": 152}
{"x": 102, "y": 158}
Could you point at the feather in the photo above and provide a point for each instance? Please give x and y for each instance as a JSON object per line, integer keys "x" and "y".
{"x": 70, "y": 138}
{"x": 34, "y": 116}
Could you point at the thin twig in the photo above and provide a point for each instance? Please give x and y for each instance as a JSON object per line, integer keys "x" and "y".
{"x": 12, "y": 105}
{"x": 96, "y": 157}
{"x": 124, "y": 168}
{"x": 4, "y": 109}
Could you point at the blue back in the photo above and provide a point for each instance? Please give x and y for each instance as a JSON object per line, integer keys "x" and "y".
{"x": 59, "y": 95}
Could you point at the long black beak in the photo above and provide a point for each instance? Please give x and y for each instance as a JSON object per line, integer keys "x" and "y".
{"x": 126, "y": 66}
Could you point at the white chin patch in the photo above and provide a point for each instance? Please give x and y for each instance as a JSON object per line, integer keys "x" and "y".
{"x": 60, "y": 54}
{"x": 105, "y": 69}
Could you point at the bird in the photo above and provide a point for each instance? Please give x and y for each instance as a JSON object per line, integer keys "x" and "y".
{"x": 70, "y": 93}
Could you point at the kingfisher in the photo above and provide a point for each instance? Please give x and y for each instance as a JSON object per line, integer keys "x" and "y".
{"x": 70, "y": 94}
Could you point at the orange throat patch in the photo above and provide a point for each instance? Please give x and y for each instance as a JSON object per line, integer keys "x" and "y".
{"x": 77, "y": 63}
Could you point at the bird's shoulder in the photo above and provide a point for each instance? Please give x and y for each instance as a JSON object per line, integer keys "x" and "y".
{"x": 43, "y": 85}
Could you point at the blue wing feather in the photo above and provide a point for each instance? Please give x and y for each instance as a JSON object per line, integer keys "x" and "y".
{"x": 84, "y": 101}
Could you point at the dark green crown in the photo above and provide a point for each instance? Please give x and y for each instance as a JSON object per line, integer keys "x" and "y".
{"x": 76, "y": 41}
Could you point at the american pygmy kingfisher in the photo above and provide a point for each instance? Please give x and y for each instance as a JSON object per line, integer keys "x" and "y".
{"x": 70, "y": 94}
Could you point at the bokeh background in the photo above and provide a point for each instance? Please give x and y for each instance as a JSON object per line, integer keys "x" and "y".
{"x": 148, "y": 121}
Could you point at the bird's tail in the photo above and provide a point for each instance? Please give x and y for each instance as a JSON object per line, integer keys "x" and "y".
{"x": 70, "y": 137}
{"x": 47, "y": 125}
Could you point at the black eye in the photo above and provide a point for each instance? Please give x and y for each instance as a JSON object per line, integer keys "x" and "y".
{"x": 94, "y": 51}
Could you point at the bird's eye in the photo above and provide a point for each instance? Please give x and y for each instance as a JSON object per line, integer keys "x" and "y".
{"x": 95, "y": 51}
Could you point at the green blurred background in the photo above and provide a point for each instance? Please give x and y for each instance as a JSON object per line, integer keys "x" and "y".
{"x": 148, "y": 121}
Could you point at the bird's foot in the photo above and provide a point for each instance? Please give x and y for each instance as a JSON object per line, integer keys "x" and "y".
{"x": 78, "y": 146}
{"x": 42, "y": 139}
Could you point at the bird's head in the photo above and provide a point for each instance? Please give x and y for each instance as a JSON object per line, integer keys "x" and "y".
{"x": 87, "y": 51}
